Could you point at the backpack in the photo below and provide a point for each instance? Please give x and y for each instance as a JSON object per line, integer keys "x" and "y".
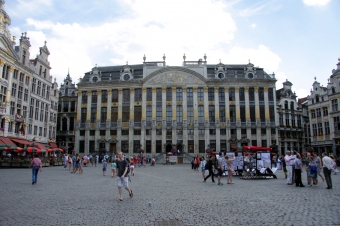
{"x": 207, "y": 165}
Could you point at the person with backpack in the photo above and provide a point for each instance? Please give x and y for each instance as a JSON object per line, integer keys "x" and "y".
{"x": 219, "y": 167}
{"x": 202, "y": 166}
{"x": 122, "y": 175}
{"x": 209, "y": 166}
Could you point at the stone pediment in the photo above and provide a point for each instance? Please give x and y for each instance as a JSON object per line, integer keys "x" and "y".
{"x": 175, "y": 76}
{"x": 7, "y": 48}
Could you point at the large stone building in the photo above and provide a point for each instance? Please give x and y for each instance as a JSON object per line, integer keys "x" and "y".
{"x": 290, "y": 119}
{"x": 189, "y": 107}
{"x": 67, "y": 112}
{"x": 28, "y": 97}
{"x": 324, "y": 114}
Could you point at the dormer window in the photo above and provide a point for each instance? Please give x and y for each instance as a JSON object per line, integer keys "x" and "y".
{"x": 317, "y": 99}
{"x": 333, "y": 90}
{"x": 126, "y": 77}
{"x": 95, "y": 79}
{"x": 220, "y": 75}
{"x": 250, "y": 75}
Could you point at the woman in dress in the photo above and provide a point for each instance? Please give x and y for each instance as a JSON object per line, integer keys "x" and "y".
{"x": 318, "y": 162}
{"x": 230, "y": 168}
{"x": 197, "y": 162}
{"x": 335, "y": 169}
{"x": 132, "y": 167}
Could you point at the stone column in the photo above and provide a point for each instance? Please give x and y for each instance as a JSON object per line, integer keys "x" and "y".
{"x": 185, "y": 118}
{"x": 142, "y": 137}
{"x": 217, "y": 119}
{"x": 227, "y": 116}
{"x": 78, "y": 106}
{"x": 174, "y": 116}
{"x": 119, "y": 119}
{"x": 163, "y": 115}
{"x": 132, "y": 119}
{"x": 206, "y": 116}
{"x": 195, "y": 109}
{"x": 153, "y": 132}
{"x": 2, "y": 63}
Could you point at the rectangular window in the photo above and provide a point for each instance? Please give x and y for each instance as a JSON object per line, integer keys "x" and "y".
{"x": 211, "y": 113}
{"x": 179, "y": 94}
{"x": 113, "y": 132}
{"x": 168, "y": 94}
{"x": 232, "y": 112}
{"x": 71, "y": 124}
{"x": 200, "y": 94}
{"x": 251, "y": 94}
{"x": 263, "y": 131}
{"x": 201, "y": 146}
{"x": 158, "y": 113}
{"x": 3, "y": 94}
{"x": 83, "y": 115}
{"x": 125, "y": 114}
{"x": 31, "y": 108}
{"x": 241, "y": 94}
{"x": 138, "y": 114}
{"x": 190, "y": 98}
{"x": 313, "y": 113}
{"x": 261, "y": 94}
{"x": 252, "y": 113}
{"x": 126, "y": 96}
{"x": 223, "y": 131}
{"x": 318, "y": 112}
{"x": 93, "y": 115}
{"x": 190, "y": 114}
{"x": 211, "y": 94}
{"x": 92, "y": 132}
{"x": 43, "y": 90}
{"x": 34, "y": 82}
{"x": 148, "y": 94}
{"x": 35, "y": 130}
{"x": 137, "y": 132}
{"x": 84, "y": 97}
{"x": 65, "y": 106}
{"x": 94, "y": 97}
{"x": 14, "y": 90}
{"x": 149, "y": 113}
{"x": 253, "y": 131}
{"x": 73, "y": 106}
{"x": 12, "y": 107}
{"x": 114, "y": 96}
{"x": 168, "y": 113}
{"x": 222, "y": 113}
{"x": 114, "y": 114}
{"x": 179, "y": 113}
{"x": 287, "y": 119}
{"x": 103, "y": 114}
{"x": 270, "y": 94}
{"x": 82, "y": 132}
{"x": 320, "y": 130}
{"x": 243, "y": 113}
{"x": 42, "y": 108}
{"x": 335, "y": 105}
{"x": 327, "y": 130}
{"x": 38, "y": 88}
{"x": 159, "y": 96}
{"x": 200, "y": 114}
{"x": 325, "y": 111}
{"x": 81, "y": 146}
{"x": 159, "y": 146}
{"x": 20, "y": 92}
{"x": 36, "y": 115}
{"x": 315, "y": 130}
{"x": 212, "y": 131}
{"x": 221, "y": 95}
{"x": 201, "y": 132}
{"x": 102, "y": 132}
{"x": 138, "y": 95}
{"x": 125, "y": 132}
{"x": 231, "y": 94}
{"x": 104, "y": 96}
{"x": 262, "y": 113}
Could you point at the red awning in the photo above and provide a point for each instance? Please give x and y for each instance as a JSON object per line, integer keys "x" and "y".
{"x": 21, "y": 141}
{"x": 40, "y": 145}
{"x": 53, "y": 145}
{"x": 7, "y": 141}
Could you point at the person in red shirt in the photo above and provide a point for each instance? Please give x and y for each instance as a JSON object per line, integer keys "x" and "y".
{"x": 36, "y": 164}
{"x": 132, "y": 168}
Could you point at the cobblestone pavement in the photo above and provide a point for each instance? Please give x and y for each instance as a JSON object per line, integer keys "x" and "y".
{"x": 175, "y": 193}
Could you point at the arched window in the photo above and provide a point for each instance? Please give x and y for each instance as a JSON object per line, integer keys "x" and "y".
{"x": 292, "y": 106}
{"x": 333, "y": 90}
{"x": 286, "y": 104}
{"x": 317, "y": 99}
{"x": 64, "y": 124}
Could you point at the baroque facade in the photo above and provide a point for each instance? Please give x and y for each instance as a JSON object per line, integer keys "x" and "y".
{"x": 290, "y": 119}
{"x": 324, "y": 114}
{"x": 190, "y": 107}
{"x": 28, "y": 97}
{"x": 67, "y": 114}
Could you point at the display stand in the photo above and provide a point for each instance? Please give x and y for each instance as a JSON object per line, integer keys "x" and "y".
{"x": 258, "y": 166}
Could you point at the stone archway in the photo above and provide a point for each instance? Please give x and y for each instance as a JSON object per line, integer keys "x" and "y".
{"x": 168, "y": 148}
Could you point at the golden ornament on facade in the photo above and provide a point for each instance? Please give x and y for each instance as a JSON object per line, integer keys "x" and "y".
{"x": 104, "y": 104}
{"x": 120, "y": 90}
{"x": 256, "y": 89}
{"x": 179, "y": 103}
{"x": 184, "y": 89}
{"x": 195, "y": 89}
{"x": 173, "y": 89}
{"x": 216, "y": 89}
{"x": 205, "y": 89}
{"x": 138, "y": 103}
{"x": 2, "y": 63}
{"x": 226, "y": 89}
{"x": 223, "y": 124}
{"x": 153, "y": 89}
{"x": 237, "y": 89}
{"x": 143, "y": 89}
{"x": 211, "y": 103}
{"x": 83, "y": 105}
{"x": 11, "y": 68}
{"x": 99, "y": 92}
{"x": 93, "y": 125}
{"x": 200, "y": 102}
{"x": 265, "y": 89}
{"x": 79, "y": 93}
{"x": 163, "y": 89}
{"x": 325, "y": 118}
{"x": 132, "y": 90}
{"x": 246, "y": 89}
{"x": 159, "y": 124}
{"x": 125, "y": 124}
{"x": 89, "y": 92}
{"x": 169, "y": 103}
{"x": 149, "y": 103}
{"x": 190, "y": 124}
{"x": 232, "y": 103}
{"x": 114, "y": 104}
{"x": 109, "y": 92}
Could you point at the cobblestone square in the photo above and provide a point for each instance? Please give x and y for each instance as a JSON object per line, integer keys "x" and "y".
{"x": 163, "y": 194}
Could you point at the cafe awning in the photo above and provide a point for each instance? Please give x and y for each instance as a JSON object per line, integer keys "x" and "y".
{"x": 20, "y": 141}
{"x": 40, "y": 146}
{"x": 8, "y": 142}
{"x": 53, "y": 145}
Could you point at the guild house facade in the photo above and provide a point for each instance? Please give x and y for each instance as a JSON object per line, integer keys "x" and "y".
{"x": 159, "y": 107}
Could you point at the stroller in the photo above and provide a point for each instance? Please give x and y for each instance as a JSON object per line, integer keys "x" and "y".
{"x": 153, "y": 162}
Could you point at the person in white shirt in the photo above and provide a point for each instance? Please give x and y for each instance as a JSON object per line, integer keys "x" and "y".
{"x": 328, "y": 165}
{"x": 289, "y": 165}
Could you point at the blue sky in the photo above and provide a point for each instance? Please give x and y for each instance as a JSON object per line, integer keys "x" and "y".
{"x": 296, "y": 39}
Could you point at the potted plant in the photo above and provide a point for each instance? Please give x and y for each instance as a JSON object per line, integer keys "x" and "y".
{"x": 6, "y": 163}
{"x": 16, "y": 163}
{"x": 46, "y": 162}
{"x": 25, "y": 162}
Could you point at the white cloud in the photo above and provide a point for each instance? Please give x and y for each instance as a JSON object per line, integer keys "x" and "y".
{"x": 253, "y": 26}
{"x": 24, "y": 7}
{"x": 316, "y": 2}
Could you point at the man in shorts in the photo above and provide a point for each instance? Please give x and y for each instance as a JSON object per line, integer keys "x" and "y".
{"x": 220, "y": 169}
{"x": 122, "y": 175}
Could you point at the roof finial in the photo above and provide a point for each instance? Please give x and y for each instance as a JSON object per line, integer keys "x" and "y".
{"x": 220, "y": 60}
{"x": 45, "y": 42}
{"x": 127, "y": 62}
{"x": 249, "y": 60}
{"x": 205, "y": 57}
{"x": 144, "y": 57}
{"x": 184, "y": 57}
{"x": 164, "y": 57}
{"x": 68, "y": 73}
{"x": 315, "y": 78}
{"x": 96, "y": 65}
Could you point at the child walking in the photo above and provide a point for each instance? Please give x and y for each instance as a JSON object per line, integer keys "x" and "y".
{"x": 104, "y": 166}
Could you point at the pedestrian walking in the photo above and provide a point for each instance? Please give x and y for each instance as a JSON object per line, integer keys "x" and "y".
{"x": 209, "y": 166}
{"x": 36, "y": 164}
{"x": 328, "y": 164}
{"x": 122, "y": 177}
{"x": 219, "y": 168}
{"x": 202, "y": 166}
{"x": 132, "y": 167}
{"x": 104, "y": 166}
{"x": 318, "y": 162}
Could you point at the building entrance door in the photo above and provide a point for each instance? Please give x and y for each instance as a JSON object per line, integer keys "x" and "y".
{"x": 168, "y": 148}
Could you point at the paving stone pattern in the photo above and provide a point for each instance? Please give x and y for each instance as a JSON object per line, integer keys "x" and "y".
{"x": 163, "y": 195}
